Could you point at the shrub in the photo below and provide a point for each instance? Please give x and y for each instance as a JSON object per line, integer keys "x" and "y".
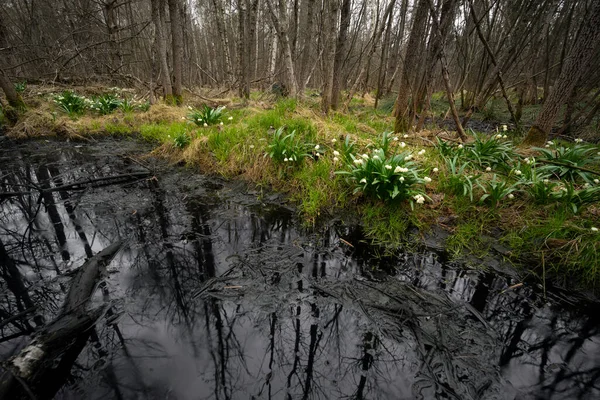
{"x": 457, "y": 180}
{"x": 206, "y": 116}
{"x": 559, "y": 160}
{"x": 287, "y": 148}
{"x": 106, "y": 104}
{"x": 496, "y": 190}
{"x": 386, "y": 178}
{"x": 127, "y": 105}
{"x": 492, "y": 151}
{"x": 71, "y": 103}
{"x": 181, "y": 139}
{"x": 20, "y": 87}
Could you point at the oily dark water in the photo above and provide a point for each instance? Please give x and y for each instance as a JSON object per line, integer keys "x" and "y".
{"x": 218, "y": 295}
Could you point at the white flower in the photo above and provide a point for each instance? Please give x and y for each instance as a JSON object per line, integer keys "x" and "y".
{"x": 401, "y": 179}
{"x": 421, "y": 152}
{"x": 182, "y": 117}
{"x": 526, "y": 160}
{"x": 317, "y": 147}
{"x": 358, "y": 161}
{"x": 460, "y": 146}
{"x": 427, "y": 179}
{"x": 333, "y": 140}
{"x": 251, "y": 146}
{"x": 400, "y": 169}
{"x": 408, "y": 157}
{"x": 221, "y": 123}
{"x": 419, "y": 199}
{"x": 594, "y": 229}
{"x": 402, "y": 144}
{"x": 504, "y": 136}
{"x": 230, "y": 118}
{"x": 578, "y": 140}
{"x": 435, "y": 170}
{"x": 550, "y": 143}
{"x": 586, "y": 185}
{"x": 405, "y": 136}
{"x": 546, "y": 181}
{"x": 336, "y": 153}
{"x": 375, "y": 157}
{"x": 335, "y": 159}
{"x": 363, "y": 180}
{"x": 518, "y": 172}
{"x": 395, "y": 138}
{"x": 190, "y": 108}
{"x": 286, "y": 159}
{"x": 499, "y": 136}
{"x": 205, "y": 124}
{"x": 511, "y": 196}
{"x": 546, "y": 146}
{"x": 365, "y": 156}
{"x": 388, "y": 166}
{"x": 596, "y": 181}
{"x": 488, "y": 169}
{"x": 504, "y": 128}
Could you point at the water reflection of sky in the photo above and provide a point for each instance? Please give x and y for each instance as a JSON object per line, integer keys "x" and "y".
{"x": 221, "y": 296}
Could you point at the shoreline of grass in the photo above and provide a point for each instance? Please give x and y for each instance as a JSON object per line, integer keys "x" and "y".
{"x": 550, "y": 234}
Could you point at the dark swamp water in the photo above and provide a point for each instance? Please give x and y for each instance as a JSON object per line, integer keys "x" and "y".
{"x": 218, "y": 295}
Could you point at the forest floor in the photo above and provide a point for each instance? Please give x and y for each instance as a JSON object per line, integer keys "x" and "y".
{"x": 535, "y": 207}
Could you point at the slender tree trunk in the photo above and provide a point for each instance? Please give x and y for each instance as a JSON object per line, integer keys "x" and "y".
{"x": 158, "y": 7}
{"x": 280, "y": 24}
{"x": 575, "y": 66}
{"x": 445, "y": 74}
{"x": 307, "y": 48}
{"x": 496, "y": 66}
{"x": 177, "y": 48}
{"x": 220, "y": 20}
{"x": 329, "y": 54}
{"x": 378, "y": 32}
{"x": 341, "y": 50}
{"x": 383, "y": 62}
{"x": 242, "y": 44}
{"x": 402, "y": 109}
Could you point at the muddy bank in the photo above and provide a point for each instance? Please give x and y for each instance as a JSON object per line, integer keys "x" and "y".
{"x": 220, "y": 293}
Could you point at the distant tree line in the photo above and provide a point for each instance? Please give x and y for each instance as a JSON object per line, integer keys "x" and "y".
{"x": 522, "y": 51}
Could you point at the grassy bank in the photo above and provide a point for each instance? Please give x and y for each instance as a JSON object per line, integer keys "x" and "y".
{"x": 541, "y": 204}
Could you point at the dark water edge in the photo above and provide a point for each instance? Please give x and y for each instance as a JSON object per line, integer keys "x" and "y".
{"x": 220, "y": 295}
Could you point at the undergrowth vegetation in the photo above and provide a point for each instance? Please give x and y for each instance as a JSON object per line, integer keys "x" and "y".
{"x": 542, "y": 203}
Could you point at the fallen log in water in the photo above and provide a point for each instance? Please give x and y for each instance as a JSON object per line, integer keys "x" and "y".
{"x": 39, "y": 370}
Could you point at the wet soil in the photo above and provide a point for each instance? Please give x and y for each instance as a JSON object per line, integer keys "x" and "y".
{"x": 220, "y": 294}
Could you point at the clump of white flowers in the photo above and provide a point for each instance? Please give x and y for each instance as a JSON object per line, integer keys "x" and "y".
{"x": 419, "y": 198}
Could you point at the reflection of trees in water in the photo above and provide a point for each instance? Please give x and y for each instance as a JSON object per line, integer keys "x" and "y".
{"x": 298, "y": 325}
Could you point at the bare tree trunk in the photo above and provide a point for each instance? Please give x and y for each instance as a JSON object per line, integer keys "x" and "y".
{"x": 329, "y": 54}
{"x": 280, "y": 24}
{"x": 307, "y": 48}
{"x": 158, "y": 7}
{"x": 383, "y": 62}
{"x": 219, "y": 19}
{"x": 341, "y": 50}
{"x": 575, "y": 66}
{"x": 376, "y": 38}
{"x": 496, "y": 66}
{"x": 242, "y": 44}
{"x": 445, "y": 74}
{"x": 177, "y": 48}
{"x": 402, "y": 110}
{"x": 14, "y": 98}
